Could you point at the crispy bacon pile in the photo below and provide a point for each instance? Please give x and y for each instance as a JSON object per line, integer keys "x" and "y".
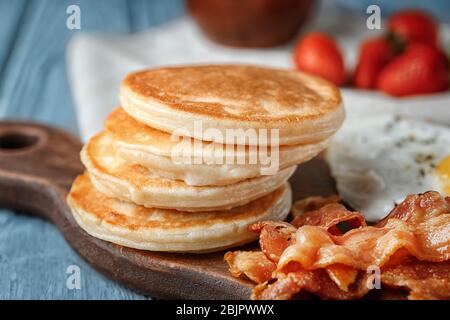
{"x": 410, "y": 248}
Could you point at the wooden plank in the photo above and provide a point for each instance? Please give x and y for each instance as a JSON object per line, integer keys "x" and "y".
{"x": 34, "y": 82}
{"x": 33, "y": 85}
{"x": 9, "y": 24}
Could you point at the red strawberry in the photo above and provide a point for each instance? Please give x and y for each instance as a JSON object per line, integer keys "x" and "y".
{"x": 420, "y": 69}
{"x": 318, "y": 54}
{"x": 433, "y": 50}
{"x": 374, "y": 55}
{"x": 413, "y": 26}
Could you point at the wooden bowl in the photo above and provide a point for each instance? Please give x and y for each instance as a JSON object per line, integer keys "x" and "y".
{"x": 250, "y": 23}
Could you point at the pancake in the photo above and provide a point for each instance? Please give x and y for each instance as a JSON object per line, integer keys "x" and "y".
{"x": 118, "y": 178}
{"x": 152, "y": 148}
{"x": 170, "y": 230}
{"x": 304, "y": 108}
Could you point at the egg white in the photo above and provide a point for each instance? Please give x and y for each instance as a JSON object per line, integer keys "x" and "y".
{"x": 378, "y": 161}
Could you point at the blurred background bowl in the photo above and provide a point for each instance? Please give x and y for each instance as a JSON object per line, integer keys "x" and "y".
{"x": 250, "y": 23}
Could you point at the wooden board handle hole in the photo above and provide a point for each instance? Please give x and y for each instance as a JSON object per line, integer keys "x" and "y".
{"x": 15, "y": 141}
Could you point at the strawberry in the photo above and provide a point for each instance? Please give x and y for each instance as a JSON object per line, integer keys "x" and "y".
{"x": 434, "y": 51}
{"x": 374, "y": 54}
{"x": 420, "y": 69}
{"x": 413, "y": 26}
{"x": 318, "y": 54}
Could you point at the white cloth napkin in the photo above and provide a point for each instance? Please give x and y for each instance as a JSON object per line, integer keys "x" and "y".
{"x": 97, "y": 63}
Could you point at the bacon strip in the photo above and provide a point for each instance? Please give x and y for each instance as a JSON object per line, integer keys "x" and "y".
{"x": 421, "y": 226}
{"x": 411, "y": 245}
{"x": 328, "y": 217}
{"x": 253, "y": 264}
{"x": 419, "y": 207}
{"x": 424, "y": 279}
{"x": 308, "y": 204}
{"x": 274, "y": 237}
{"x": 314, "y": 281}
{"x": 342, "y": 275}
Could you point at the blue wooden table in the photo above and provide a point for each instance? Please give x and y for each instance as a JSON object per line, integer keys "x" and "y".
{"x": 34, "y": 257}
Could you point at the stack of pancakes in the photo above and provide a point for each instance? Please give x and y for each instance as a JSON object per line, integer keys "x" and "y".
{"x": 136, "y": 191}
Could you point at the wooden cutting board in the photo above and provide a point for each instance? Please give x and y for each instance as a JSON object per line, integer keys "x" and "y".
{"x": 37, "y": 167}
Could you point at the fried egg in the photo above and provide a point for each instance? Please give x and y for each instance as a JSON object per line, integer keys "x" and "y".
{"x": 378, "y": 161}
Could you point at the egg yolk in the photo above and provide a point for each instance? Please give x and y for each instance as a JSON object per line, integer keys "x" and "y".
{"x": 443, "y": 172}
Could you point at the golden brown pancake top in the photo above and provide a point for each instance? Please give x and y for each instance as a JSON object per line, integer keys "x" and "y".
{"x": 239, "y": 92}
